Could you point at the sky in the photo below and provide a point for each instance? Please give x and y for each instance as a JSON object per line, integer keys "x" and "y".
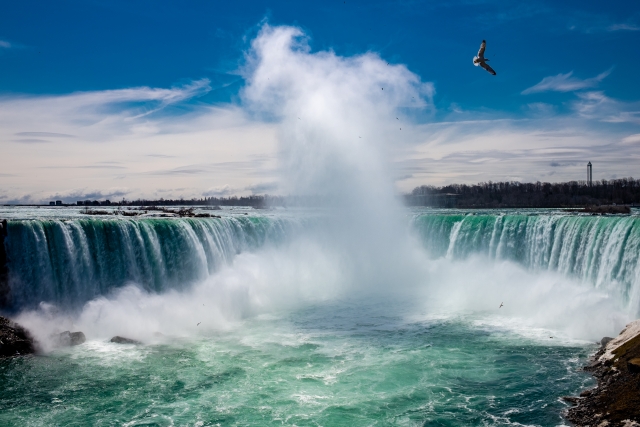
{"x": 118, "y": 99}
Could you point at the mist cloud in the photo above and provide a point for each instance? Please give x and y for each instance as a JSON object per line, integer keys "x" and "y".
{"x": 337, "y": 114}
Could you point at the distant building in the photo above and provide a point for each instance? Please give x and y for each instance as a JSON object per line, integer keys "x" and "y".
{"x": 589, "y": 175}
{"x": 58, "y": 202}
{"x": 80, "y": 203}
{"x": 87, "y": 202}
{"x": 52, "y": 203}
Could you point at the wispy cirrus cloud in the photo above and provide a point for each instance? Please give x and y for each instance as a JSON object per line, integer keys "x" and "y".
{"x": 98, "y": 115}
{"x": 548, "y": 149}
{"x": 45, "y": 134}
{"x": 136, "y": 136}
{"x": 30, "y": 141}
{"x": 5, "y": 44}
{"x": 623, "y": 27}
{"x": 566, "y": 83}
{"x": 595, "y": 105}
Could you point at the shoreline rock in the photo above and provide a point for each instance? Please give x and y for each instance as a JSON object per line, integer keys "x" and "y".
{"x": 615, "y": 401}
{"x": 15, "y": 340}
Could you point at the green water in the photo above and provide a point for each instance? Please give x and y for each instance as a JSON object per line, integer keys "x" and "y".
{"x": 352, "y": 363}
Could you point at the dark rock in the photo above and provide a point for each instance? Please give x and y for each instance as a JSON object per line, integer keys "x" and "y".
{"x": 634, "y": 365}
{"x": 4, "y": 271}
{"x": 604, "y": 341}
{"x": 608, "y": 209}
{"x": 14, "y": 339}
{"x": 123, "y": 340}
{"x": 586, "y": 393}
{"x": 68, "y": 339}
{"x": 617, "y": 396}
{"x": 571, "y": 399}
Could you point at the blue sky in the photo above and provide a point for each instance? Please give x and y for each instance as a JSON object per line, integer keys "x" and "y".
{"x": 568, "y": 69}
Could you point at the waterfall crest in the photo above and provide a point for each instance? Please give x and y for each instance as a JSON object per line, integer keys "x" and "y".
{"x": 602, "y": 251}
{"x": 68, "y": 262}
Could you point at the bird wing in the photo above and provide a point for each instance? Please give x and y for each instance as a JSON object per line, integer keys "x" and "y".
{"x": 486, "y": 67}
{"x": 482, "y": 48}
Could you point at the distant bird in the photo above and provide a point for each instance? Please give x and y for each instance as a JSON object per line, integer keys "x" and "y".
{"x": 480, "y": 59}
{"x": 501, "y": 305}
{"x": 198, "y": 324}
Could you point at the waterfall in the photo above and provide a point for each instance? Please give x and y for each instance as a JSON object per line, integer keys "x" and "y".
{"x": 602, "y": 251}
{"x": 68, "y": 262}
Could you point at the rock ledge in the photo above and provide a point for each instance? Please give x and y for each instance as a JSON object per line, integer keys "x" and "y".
{"x": 615, "y": 401}
{"x": 14, "y": 339}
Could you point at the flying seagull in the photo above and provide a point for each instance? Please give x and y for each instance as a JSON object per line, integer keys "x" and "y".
{"x": 480, "y": 59}
{"x": 501, "y": 305}
{"x": 198, "y": 324}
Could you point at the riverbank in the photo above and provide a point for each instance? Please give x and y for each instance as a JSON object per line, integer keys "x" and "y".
{"x": 615, "y": 401}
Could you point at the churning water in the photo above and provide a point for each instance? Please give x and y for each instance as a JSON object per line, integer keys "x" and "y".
{"x": 253, "y": 320}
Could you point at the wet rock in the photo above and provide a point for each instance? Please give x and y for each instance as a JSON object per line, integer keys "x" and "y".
{"x": 604, "y": 341}
{"x": 14, "y": 339}
{"x": 571, "y": 399}
{"x": 68, "y": 339}
{"x": 586, "y": 393}
{"x": 123, "y": 340}
{"x": 616, "y": 399}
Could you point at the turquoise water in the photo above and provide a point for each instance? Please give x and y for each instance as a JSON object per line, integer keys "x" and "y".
{"x": 276, "y": 318}
{"x": 347, "y": 364}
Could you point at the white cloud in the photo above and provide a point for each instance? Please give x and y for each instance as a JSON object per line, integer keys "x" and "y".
{"x": 220, "y": 191}
{"x": 549, "y": 149}
{"x": 5, "y": 44}
{"x": 623, "y": 27}
{"x": 631, "y": 139}
{"x": 52, "y": 145}
{"x": 321, "y": 119}
{"x": 595, "y": 105}
{"x": 565, "y": 83}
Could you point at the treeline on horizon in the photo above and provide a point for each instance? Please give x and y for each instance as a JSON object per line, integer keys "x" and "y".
{"x": 255, "y": 201}
{"x": 513, "y": 194}
{"x": 624, "y": 191}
